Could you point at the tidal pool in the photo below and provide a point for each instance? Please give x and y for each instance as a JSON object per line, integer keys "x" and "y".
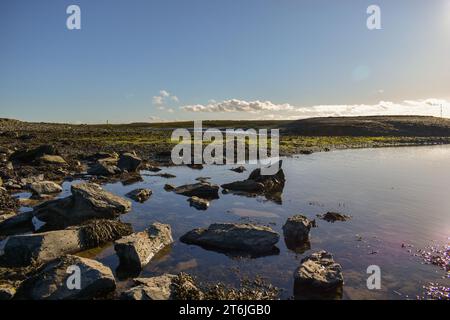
{"x": 399, "y": 200}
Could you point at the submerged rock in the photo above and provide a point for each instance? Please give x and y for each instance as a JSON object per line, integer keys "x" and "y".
{"x": 169, "y": 187}
{"x": 24, "y": 250}
{"x": 88, "y": 201}
{"x": 44, "y": 187}
{"x": 234, "y": 237}
{"x": 51, "y": 281}
{"x": 318, "y": 277}
{"x": 137, "y": 249}
{"x": 334, "y": 216}
{"x": 202, "y": 190}
{"x": 129, "y": 162}
{"x": 239, "y": 169}
{"x": 198, "y": 203}
{"x": 140, "y": 195}
{"x": 296, "y": 233}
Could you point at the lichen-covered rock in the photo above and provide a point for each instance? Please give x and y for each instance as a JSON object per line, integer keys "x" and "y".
{"x": 140, "y": 195}
{"x": 137, "y": 249}
{"x": 51, "y": 281}
{"x": 234, "y": 237}
{"x": 52, "y": 159}
{"x": 88, "y": 201}
{"x": 318, "y": 275}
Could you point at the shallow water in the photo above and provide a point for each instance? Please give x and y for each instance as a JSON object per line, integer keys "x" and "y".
{"x": 395, "y": 196}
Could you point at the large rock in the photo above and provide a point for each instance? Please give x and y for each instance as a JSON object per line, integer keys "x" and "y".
{"x": 155, "y": 288}
{"x": 137, "y": 249}
{"x": 17, "y": 223}
{"x": 296, "y": 233}
{"x": 24, "y": 250}
{"x": 234, "y": 237}
{"x": 129, "y": 162}
{"x": 52, "y": 159}
{"x": 165, "y": 287}
{"x": 258, "y": 183}
{"x": 318, "y": 276}
{"x": 202, "y": 190}
{"x": 140, "y": 195}
{"x": 44, "y": 187}
{"x": 88, "y": 201}
{"x": 103, "y": 169}
{"x": 51, "y": 281}
{"x": 29, "y": 155}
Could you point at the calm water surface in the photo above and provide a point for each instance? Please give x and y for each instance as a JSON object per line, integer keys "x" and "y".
{"x": 394, "y": 195}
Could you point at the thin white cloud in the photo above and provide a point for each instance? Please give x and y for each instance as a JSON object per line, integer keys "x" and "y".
{"x": 163, "y": 97}
{"x": 266, "y": 109}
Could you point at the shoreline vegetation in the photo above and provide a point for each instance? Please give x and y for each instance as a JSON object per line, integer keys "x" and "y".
{"x": 38, "y": 157}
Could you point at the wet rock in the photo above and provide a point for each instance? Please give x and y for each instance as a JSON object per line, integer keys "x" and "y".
{"x": 198, "y": 203}
{"x": 195, "y": 166}
{"x": 152, "y": 168}
{"x": 296, "y": 232}
{"x": 169, "y": 187}
{"x": 334, "y": 216}
{"x": 155, "y": 288}
{"x": 137, "y": 249}
{"x": 239, "y": 169}
{"x": 24, "y": 250}
{"x": 45, "y": 187}
{"x": 234, "y": 237}
{"x": 17, "y": 223}
{"x": 258, "y": 183}
{"x": 7, "y": 292}
{"x": 318, "y": 277}
{"x": 140, "y": 195}
{"x": 129, "y": 162}
{"x": 103, "y": 169}
{"x": 88, "y": 201}
{"x": 202, "y": 190}
{"x": 30, "y": 155}
{"x": 50, "y": 282}
{"x": 164, "y": 175}
{"x": 52, "y": 159}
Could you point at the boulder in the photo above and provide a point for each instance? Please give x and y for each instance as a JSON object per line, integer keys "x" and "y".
{"x": 333, "y": 217}
{"x": 155, "y": 288}
{"x": 30, "y": 155}
{"x": 44, "y": 187}
{"x": 52, "y": 159}
{"x": 137, "y": 249}
{"x": 234, "y": 237}
{"x": 27, "y": 249}
{"x": 103, "y": 169}
{"x": 296, "y": 232}
{"x": 51, "y": 281}
{"x": 202, "y": 190}
{"x": 164, "y": 287}
{"x": 17, "y": 223}
{"x": 198, "y": 203}
{"x": 140, "y": 195}
{"x": 88, "y": 201}
{"x": 258, "y": 183}
{"x": 318, "y": 276}
{"x": 129, "y": 162}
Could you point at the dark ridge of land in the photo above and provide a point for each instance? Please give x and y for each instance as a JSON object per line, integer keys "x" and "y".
{"x": 374, "y": 126}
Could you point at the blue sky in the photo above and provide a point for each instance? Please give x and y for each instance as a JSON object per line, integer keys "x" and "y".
{"x": 153, "y": 60}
